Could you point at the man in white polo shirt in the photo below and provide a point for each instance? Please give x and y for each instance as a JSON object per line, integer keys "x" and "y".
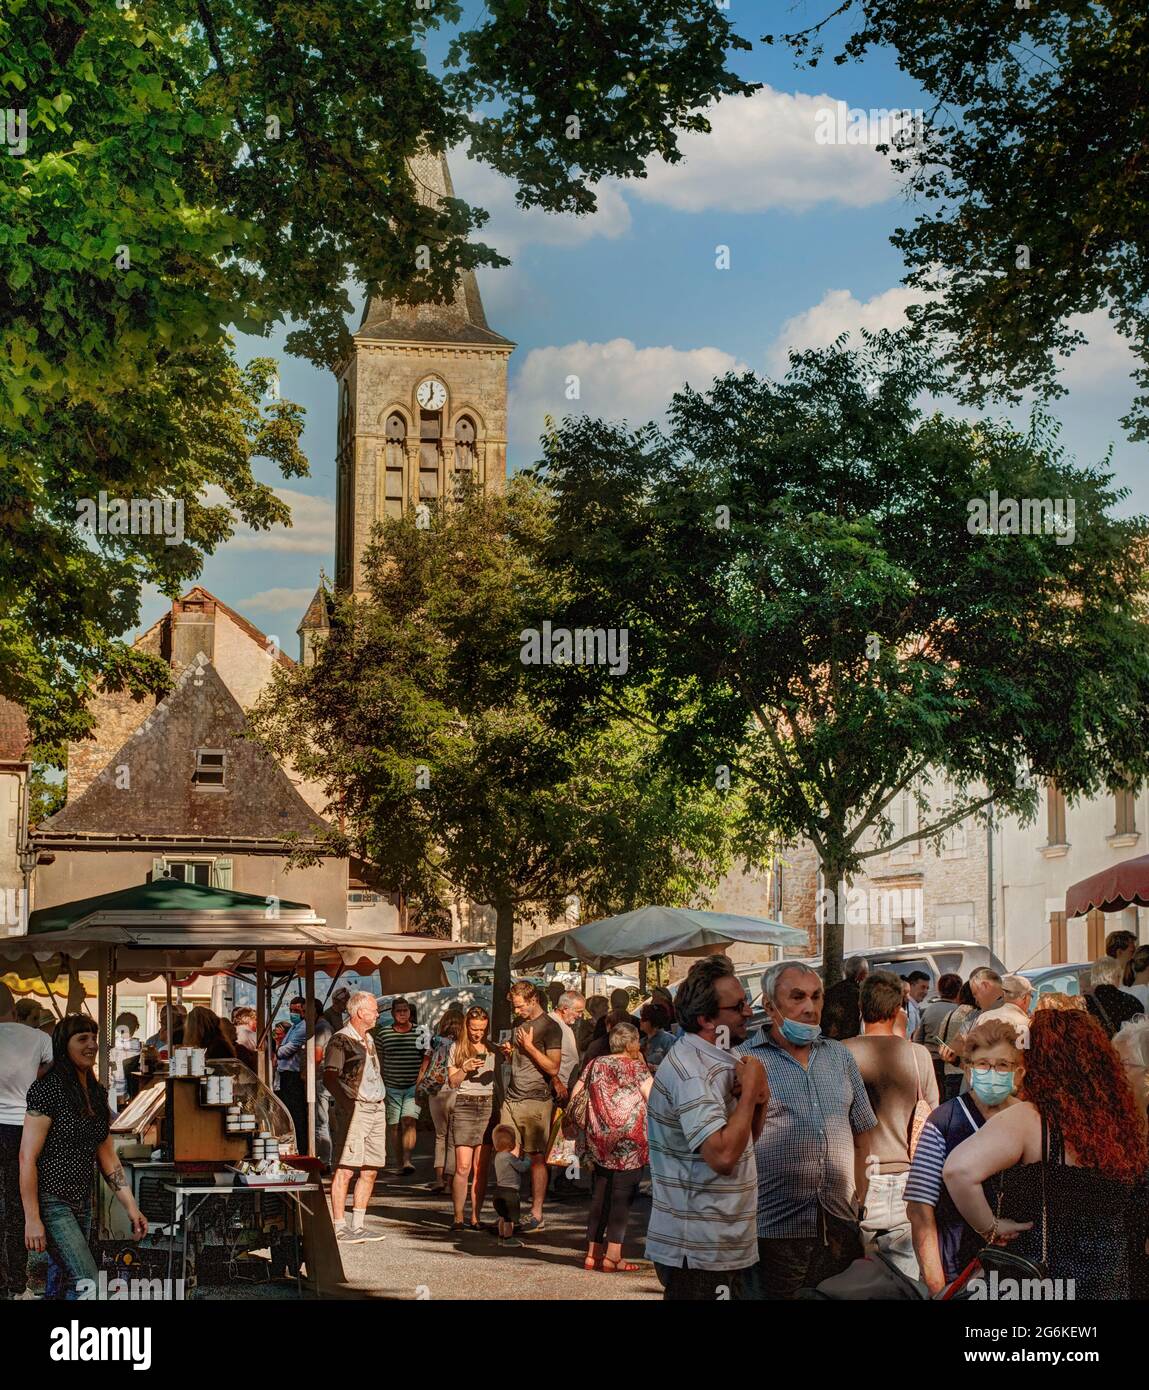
{"x": 25, "y": 1055}
{"x": 706, "y": 1109}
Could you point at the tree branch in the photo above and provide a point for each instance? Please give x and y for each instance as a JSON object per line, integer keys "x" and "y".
{"x": 876, "y": 806}
{"x": 930, "y": 830}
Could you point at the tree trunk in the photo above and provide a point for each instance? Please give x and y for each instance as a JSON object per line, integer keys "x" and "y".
{"x": 834, "y": 922}
{"x": 504, "y": 945}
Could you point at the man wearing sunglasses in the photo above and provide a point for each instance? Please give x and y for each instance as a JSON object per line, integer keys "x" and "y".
{"x": 704, "y": 1112}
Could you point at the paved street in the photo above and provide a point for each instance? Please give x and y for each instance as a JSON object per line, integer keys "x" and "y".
{"x": 420, "y": 1257}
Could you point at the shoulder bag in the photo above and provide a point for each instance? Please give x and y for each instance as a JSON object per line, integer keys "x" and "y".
{"x": 922, "y": 1108}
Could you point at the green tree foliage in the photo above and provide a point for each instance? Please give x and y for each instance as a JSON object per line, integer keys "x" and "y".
{"x": 46, "y": 794}
{"x": 809, "y": 608}
{"x": 178, "y": 170}
{"x": 1033, "y": 177}
{"x": 448, "y": 767}
{"x": 66, "y": 592}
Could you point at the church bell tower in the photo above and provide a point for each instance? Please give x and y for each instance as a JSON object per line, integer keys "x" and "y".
{"x": 422, "y": 403}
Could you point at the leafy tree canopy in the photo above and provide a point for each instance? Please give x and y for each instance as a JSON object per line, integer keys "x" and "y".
{"x": 1032, "y": 173}
{"x": 813, "y": 610}
{"x": 174, "y": 171}
{"x": 448, "y": 767}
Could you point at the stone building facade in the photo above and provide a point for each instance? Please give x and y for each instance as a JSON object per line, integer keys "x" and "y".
{"x": 1069, "y": 841}
{"x": 175, "y": 787}
{"x": 422, "y": 404}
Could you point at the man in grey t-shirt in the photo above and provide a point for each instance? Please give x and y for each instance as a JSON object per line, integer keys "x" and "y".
{"x": 536, "y": 1057}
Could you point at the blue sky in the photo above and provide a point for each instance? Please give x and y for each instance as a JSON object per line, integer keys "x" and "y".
{"x": 630, "y": 300}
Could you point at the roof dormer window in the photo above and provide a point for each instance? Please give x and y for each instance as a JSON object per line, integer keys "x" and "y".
{"x": 210, "y": 767}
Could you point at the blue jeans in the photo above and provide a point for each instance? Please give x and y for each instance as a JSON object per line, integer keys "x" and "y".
{"x": 69, "y": 1233}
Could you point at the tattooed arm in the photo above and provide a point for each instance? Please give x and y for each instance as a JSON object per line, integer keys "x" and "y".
{"x": 113, "y": 1175}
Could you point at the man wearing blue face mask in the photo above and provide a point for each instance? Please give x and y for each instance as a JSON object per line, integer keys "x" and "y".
{"x": 807, "y": 1212}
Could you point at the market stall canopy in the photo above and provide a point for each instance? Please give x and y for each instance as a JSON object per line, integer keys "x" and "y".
{"x": 168, "y": 901}
{"x": 52, "y": 983}
{"x": 655, "y": 931}
{"x": 1120, "y": 886}
{"x": 164, "y": 926}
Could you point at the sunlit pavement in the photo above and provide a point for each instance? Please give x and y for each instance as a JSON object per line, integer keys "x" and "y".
{"x": 422, "y": 1258}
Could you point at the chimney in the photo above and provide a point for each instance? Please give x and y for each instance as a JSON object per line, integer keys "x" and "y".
{"x": 193, "y": 630}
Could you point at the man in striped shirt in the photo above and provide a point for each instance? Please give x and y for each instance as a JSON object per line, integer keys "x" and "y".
{"x": 807, "y": 1214}
{"x": 401, "y": 1050}
{"x": 704, "y": 1112}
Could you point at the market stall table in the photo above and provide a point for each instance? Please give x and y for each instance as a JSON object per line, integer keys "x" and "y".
{"x": 195, "y": 1187}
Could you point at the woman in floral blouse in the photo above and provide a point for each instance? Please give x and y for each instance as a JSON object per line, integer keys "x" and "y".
{"x": 617, "y": 1086}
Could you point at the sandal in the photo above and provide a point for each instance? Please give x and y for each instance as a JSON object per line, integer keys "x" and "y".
{"x": 592, "y": 1263}
{"x": 619, "y": 1267}
{"x": 458, "y": 1226}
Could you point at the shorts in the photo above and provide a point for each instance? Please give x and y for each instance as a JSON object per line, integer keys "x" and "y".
{"x": 402, "y": 1105}
{"x": 531, "y": 1121}
{"x": 507, "y": 1204}
{"x": 361, "y": 1137}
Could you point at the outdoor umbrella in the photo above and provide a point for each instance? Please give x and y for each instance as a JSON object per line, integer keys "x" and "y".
{"x": 654, "y": 931}
{"x": 1120, "y": 885}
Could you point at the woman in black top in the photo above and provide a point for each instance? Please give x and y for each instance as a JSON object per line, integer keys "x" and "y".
{"x": 1108, "y": 1004}
{"x": 65, "y": 1131}
{"x": 1073, "y": 1159}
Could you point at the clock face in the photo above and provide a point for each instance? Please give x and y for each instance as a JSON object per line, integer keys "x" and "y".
{"x": 432, "y": 394}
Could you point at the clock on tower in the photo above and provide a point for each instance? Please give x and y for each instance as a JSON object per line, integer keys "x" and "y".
{"x": 422, "y": 403}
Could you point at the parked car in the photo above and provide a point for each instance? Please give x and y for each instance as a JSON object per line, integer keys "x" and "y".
{"x": 935, "y": 958}
{"x": 1060, "y": 979}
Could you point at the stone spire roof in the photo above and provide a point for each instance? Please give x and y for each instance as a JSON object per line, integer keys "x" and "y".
{"x": 460, "y": 321}
{"x": 318, "y": 615}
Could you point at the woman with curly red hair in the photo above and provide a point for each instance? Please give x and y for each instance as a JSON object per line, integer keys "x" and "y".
{"x": 1075, "y": 1153}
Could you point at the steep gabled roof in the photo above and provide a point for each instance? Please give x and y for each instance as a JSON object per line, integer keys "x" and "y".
{"x": 318, "y": 615}
{"x": 197, "y": 591}
{"x": 147, "y": 788}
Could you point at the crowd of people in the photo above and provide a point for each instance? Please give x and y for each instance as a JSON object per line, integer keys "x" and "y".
{"x": 886, "y": 1124}
{"x": 841, "y": 1130}
{"x": 498, "y": 1107}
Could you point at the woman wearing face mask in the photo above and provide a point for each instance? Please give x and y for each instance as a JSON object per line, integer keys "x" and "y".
{"x": 943, "y": 1242}
{"x": 65, "y": 1133}
{"x": 1075, "y": 1151}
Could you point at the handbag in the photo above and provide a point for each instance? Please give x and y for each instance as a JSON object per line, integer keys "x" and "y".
{"x": 435, "y": 1077}
{"x": 922, "y": 1109}
{"x": 561, "y": 1151}
{"x": 578, "y": 1109}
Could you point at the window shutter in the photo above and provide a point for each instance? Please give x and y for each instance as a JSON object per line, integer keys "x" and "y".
{"x": 1058, "y": 942}
{"x": 221, "y": 873}
{"x": 159, "y": 867}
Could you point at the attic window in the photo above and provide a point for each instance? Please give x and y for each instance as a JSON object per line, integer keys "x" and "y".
{"x": 210, "y": 764}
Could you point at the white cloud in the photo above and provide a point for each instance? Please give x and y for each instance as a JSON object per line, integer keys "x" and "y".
{"x": 1106, "y": 360}
{"x": 292, "y": 601}
{"x": 762, "y": 154}
{"x": 837, "y": 312}
{"x": 1103, "y": 364}
{"x": 312, "y": 531}
{"x": 511, "y": 227}
{"x": 616, "y": 380}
